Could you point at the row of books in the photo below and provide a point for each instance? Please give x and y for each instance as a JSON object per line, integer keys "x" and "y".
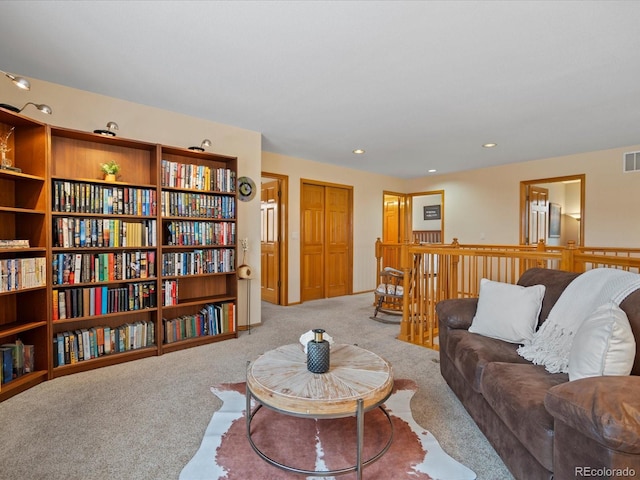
{"x": 72, "y": 268}
{"x": 14, "y": 243}
{"x": 197, "y": 177}
{"x": 212, "y": 319}
{"x": 169, "y": 292}
{"x": 183, "y": 232}
{"x": 198, "y": 262}
{"x": 17, "y": 360}
{"x": 75, "y": 346}
{"x": 188, "y": 204}
{"x": 92, "y": 301}
{"x": 84, "y": 197}
{"x": 70, "y": 232}
{"x": 21, "y": 273}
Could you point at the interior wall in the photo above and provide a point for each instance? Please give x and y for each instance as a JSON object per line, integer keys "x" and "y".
{"x": 367, "y": 213}
{"x": 85, "y": 111}
{"x": 483, "y": 205}
{"x": 418, "y": 203}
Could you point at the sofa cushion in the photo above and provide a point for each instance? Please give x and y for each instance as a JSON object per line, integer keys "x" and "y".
{"x": 471, "y": 352}
{"x": 516, "y": 393}
{"x": 604, "y": 409}
{"x": 603, "y": 345}
{"x": 507, "y": 312}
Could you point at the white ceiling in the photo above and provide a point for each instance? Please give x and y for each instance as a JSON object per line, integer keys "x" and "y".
{"x": 418, "y": 85}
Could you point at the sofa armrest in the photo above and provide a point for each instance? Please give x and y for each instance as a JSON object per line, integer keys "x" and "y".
{"x": 457, "y": 313}
{"x": 605, "y": 409}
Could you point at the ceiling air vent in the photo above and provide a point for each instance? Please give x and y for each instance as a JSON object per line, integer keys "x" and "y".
{"x": 632, "y": 162}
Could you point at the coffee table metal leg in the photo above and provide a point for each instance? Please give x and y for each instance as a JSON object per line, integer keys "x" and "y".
{"x": 360, "y": 463}
{"x": 360, "y": 442}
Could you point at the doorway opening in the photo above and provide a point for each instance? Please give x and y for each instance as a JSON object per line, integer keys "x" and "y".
{"x": 274, "y": 205}
{"x": 552, "y": 209}
{"x": 414, "y": 217}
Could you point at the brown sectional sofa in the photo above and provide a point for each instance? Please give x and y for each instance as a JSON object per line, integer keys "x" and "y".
{"x": 542, "y": 425}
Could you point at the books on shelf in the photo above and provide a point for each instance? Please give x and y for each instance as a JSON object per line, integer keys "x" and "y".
{"x": 21, "y": 273}
{"x": 83, "y": 197}
{"x": 9, "y": 243}
{"x": 198, "y": 233}
{"x": 189, "y": 204}
{"x": 199, "y": 261}
{"x": 212, "y": 319}
{"x": 169, "y": 293}
{"x": 17, "y": 360}
{"x": 93, "y": 301}
{"x": 83, "y": 344}
{"x": 197, "y": 177}
{"x": 74, "y": 232}
{"x": 72, "y": 268}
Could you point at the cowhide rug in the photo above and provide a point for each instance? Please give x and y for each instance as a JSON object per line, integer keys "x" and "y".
{"x": 311, "y": 444}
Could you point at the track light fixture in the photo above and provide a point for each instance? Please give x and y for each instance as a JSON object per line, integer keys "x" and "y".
{"x": 19, "y": 82}
{"x": 40, "y": 106}
{"x": 110, "y": 130}
{"x": 205, "y": 143}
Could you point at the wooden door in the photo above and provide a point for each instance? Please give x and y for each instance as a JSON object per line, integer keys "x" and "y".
{"x": 312, "y": 242}
{"x": 337, "y": 241}
{"x": 269, "y": 243}
{"x": 538, "y": 214}
{"x": 326, "y": 241}
{"x": 391, "y": 221}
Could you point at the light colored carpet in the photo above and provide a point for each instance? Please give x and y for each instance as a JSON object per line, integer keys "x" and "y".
{"x": 146, "y": 419}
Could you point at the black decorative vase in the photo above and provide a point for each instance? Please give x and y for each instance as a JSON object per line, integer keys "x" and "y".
{"x": 318, "y": 353}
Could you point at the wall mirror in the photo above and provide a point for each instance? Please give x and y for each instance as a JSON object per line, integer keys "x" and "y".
{"x": 552, "y": 209}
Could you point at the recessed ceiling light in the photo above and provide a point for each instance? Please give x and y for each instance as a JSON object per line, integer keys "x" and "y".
{"x": 490, "y": 145}
{"x": 358, "y": 151}
{"x": 432, "y": 170}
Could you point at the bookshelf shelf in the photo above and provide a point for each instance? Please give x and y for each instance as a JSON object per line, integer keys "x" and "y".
{"x": 22, "y": 383}
{"x": 11, "y": 329}
{"x": 105, "y": 316}
{"x": 105, "y": 360}
{"x": 10, "y": 174}
{"x": 28, "y": 211}
{"x": 195, "y": 342}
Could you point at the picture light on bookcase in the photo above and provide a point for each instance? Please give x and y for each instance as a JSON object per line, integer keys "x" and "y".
{"x": 20, "y": 82}
{"x": 40, "y": 106}
{"x": 205, "y": 143}
{"x": 110, "y": 130}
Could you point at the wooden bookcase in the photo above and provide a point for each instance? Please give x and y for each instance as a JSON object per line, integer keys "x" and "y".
{"x": 24, "y": 305}
{"x": 96, "y": 286}
{"x": 198, "y": 247}
{"x": 104, "y": 249}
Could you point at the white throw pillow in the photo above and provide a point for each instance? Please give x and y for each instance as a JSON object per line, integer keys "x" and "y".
{"x": 507, "y": 312}
{"x": 603, "y": 345}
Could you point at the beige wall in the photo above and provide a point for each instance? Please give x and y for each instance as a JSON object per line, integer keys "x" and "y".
{"x": 367, "y": 212}
{"x": 482, "y": 206}
{"x": 80, "y": 110}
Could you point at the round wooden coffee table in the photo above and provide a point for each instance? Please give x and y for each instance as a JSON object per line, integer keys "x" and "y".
{"x": 357, "y": 381}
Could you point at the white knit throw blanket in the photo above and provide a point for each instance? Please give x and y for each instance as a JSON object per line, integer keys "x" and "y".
{"x": 551, "y": 344}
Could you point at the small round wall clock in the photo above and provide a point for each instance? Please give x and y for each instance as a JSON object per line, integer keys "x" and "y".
{"x": 246, "y": 189}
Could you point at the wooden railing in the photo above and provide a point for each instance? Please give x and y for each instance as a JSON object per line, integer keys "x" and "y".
{"x": 438, "y": 272}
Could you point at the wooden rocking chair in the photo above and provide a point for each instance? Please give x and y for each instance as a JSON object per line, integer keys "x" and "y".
{"x": 389, "y": 293}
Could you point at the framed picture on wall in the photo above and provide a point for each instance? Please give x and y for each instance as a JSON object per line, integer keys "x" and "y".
{"x": 554, "y": 220}
{"x": 432, "y": 212}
